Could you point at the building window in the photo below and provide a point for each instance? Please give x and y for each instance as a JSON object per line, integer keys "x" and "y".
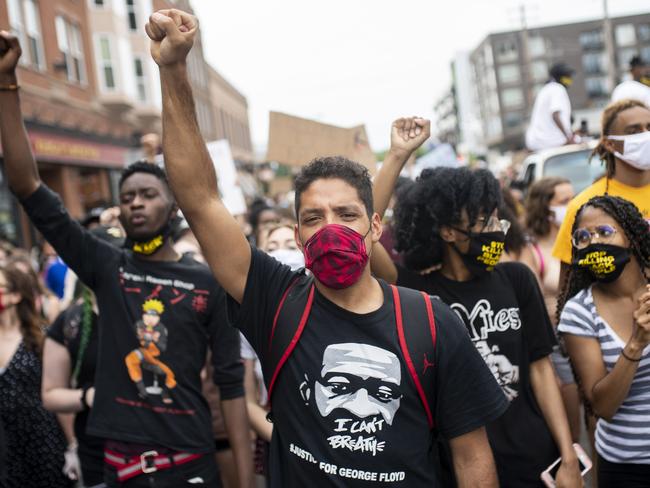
{"x": 625, "y": 35}
{"x": 105, "y": 63}
{"x": 625, "y": 56}
{"x": 130, "y": 15}
{"x": 536, "y": 46}
{"x": 538, "y": 70}
{"x": 506, "y": 51}
{"x": 25, "y": 23}
{"x": 509, "y": 74}
{"x": 98, "y": 3}
{"x": 594, "y": 63}
{"x": 512, "y": 98}
{"x": 592, "y": 40}
{"x": 140, "y": 80}
{"x": 644, "y": 32}
{"x": 645, "y": 54}
{"x": 513, "y": 119}
{"x": 68, "y": 36}
{"x": 597, "y": 87}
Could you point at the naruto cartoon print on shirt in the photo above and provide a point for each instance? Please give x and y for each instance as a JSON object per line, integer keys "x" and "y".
{"x": 152, "y": 336}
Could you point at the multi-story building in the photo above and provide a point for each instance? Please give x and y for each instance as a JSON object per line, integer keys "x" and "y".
{"x": 90, "y": 89}
{"x": 77, "y": 140}
{"x": 509, "y": 68}
{"x": 221, "y": 110}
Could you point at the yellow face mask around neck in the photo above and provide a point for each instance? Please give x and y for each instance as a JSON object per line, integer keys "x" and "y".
{"x": 566, "y": 81}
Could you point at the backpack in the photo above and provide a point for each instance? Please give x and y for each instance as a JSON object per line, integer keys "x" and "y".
{"x": 417, "y": 342}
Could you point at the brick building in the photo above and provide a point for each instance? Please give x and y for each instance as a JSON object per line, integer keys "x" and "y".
{"x": 89, "y": 89}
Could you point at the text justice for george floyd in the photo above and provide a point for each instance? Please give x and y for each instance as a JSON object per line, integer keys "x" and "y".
{"x": 313, "y": 441}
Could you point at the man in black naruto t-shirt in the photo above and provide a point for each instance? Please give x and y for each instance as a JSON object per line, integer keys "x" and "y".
{"x": 160, "y": 432}
{"x": 345, "y": 407}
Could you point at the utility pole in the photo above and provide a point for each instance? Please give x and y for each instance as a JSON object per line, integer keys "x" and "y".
{"x": 528, "y": 89}
{"x": 612, "y": 69}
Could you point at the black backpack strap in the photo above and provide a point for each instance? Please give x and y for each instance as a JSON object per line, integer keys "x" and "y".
{"x": 288, "y": 324}
{"x": 416, "y": 331}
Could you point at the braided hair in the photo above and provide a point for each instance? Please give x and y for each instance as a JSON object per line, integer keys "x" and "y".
{"x": 636, "y": 230}
{"x": 435, "y": 200}
{"x": 609, "y": 116}
{"x": 635, "y": 227}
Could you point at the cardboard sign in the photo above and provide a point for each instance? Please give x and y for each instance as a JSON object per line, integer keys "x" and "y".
{"x": 295, "y": 141}
{"x": 224, "y": 164}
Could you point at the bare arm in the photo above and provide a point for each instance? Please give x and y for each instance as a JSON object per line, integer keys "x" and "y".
{"x": 256, "y": 413}
{"x": 189, "y": 167}
{"x": 19, "y": 164}
{"x": 407, "y": 134}
{"x": 382, "y": 265}
{"x": 473, "y": 461}
{"x": 56, "y": 392}
{"x": 547, "y": 394}
{"x": 236, "y": 420}
{"x": 607, "y": 391}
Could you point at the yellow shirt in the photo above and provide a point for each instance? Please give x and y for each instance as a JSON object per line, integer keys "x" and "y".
{"x": 639, "y": 196}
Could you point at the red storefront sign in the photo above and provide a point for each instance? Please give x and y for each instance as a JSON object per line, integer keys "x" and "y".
{"x": 61, "y": 149}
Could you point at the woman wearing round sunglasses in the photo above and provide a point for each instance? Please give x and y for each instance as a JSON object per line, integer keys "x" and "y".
{"x": 448, "y": 221}
{"x": 605, "y": 322}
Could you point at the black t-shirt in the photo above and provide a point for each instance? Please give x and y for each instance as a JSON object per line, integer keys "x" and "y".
{"x": 67, "y": 331}
{"x": 506, "y": 317}
{"x": 156, "y": 320}
{"x": 345, "y": 408}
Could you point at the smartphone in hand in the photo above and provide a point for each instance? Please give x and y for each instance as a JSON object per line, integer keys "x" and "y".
{"x": 549, "y": 474}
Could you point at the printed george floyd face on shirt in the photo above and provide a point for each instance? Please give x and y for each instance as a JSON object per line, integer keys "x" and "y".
{"x": 146, "y": 205}
{"x": 359, "y": 379}
{"x": 333, "y": 201}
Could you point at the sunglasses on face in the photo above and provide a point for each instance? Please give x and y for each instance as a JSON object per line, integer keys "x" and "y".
{"x": 583, "y": 237}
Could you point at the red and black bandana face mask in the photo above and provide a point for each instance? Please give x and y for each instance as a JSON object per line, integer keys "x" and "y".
{"x": 336, "y": 255}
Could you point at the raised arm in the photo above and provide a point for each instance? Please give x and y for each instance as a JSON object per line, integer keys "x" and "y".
{"x": 406, "y": 135}
{"x": 189, "y": 166}
{"x": 19, "y": 164}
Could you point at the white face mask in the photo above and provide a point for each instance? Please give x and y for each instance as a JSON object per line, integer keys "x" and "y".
{"x": 291, "y": 257}
{"x": 558, "y": 213}
{"x": 636, "y": 150}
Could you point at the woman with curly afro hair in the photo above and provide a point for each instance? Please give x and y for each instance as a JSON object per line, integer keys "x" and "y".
{"x": 448, "y": 222}
{"x": 605, "y": 323}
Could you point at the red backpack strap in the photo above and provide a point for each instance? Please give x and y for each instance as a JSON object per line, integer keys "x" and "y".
{"x": 417, "y": 342}
{"x": 288, "y": 325}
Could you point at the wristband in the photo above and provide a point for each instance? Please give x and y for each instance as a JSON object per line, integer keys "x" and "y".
{"x": 12, "y": 87}
{"x": 629, "y": 358}
{"x": 84, "y": 401}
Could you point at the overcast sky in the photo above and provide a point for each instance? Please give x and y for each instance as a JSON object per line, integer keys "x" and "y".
{"x": 349, "y": 62}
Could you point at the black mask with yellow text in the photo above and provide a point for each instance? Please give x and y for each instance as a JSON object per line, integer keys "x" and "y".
{"x": 605, "y": 262}
{"x": 485, "y": 250}
{"x": 151, "y": 245}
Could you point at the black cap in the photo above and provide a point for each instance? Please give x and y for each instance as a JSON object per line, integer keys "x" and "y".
{"x": 109, "y": 233}
{"x": 637, "y": 62}
{"x": 558, "y": 70}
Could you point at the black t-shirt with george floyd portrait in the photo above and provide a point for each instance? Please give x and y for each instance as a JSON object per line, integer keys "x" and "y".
{"x": 345, "y": 409}
{"x": 156, "y": 320}
{"x": 507, "y": 321}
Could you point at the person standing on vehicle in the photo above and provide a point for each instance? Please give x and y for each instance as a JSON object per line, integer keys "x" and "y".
{"x": 638, "y": 88}
{"x": 550, "y": 122}
{"x": 624, "y": 146}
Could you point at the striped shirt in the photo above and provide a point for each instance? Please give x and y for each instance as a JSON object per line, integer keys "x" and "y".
{"x": 626, "y": 438}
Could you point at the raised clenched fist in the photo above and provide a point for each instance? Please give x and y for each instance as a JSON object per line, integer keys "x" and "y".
{"x": 10, "y": 52}
{"x": 172, "y": 35}
{"x": 408, "y": 134}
